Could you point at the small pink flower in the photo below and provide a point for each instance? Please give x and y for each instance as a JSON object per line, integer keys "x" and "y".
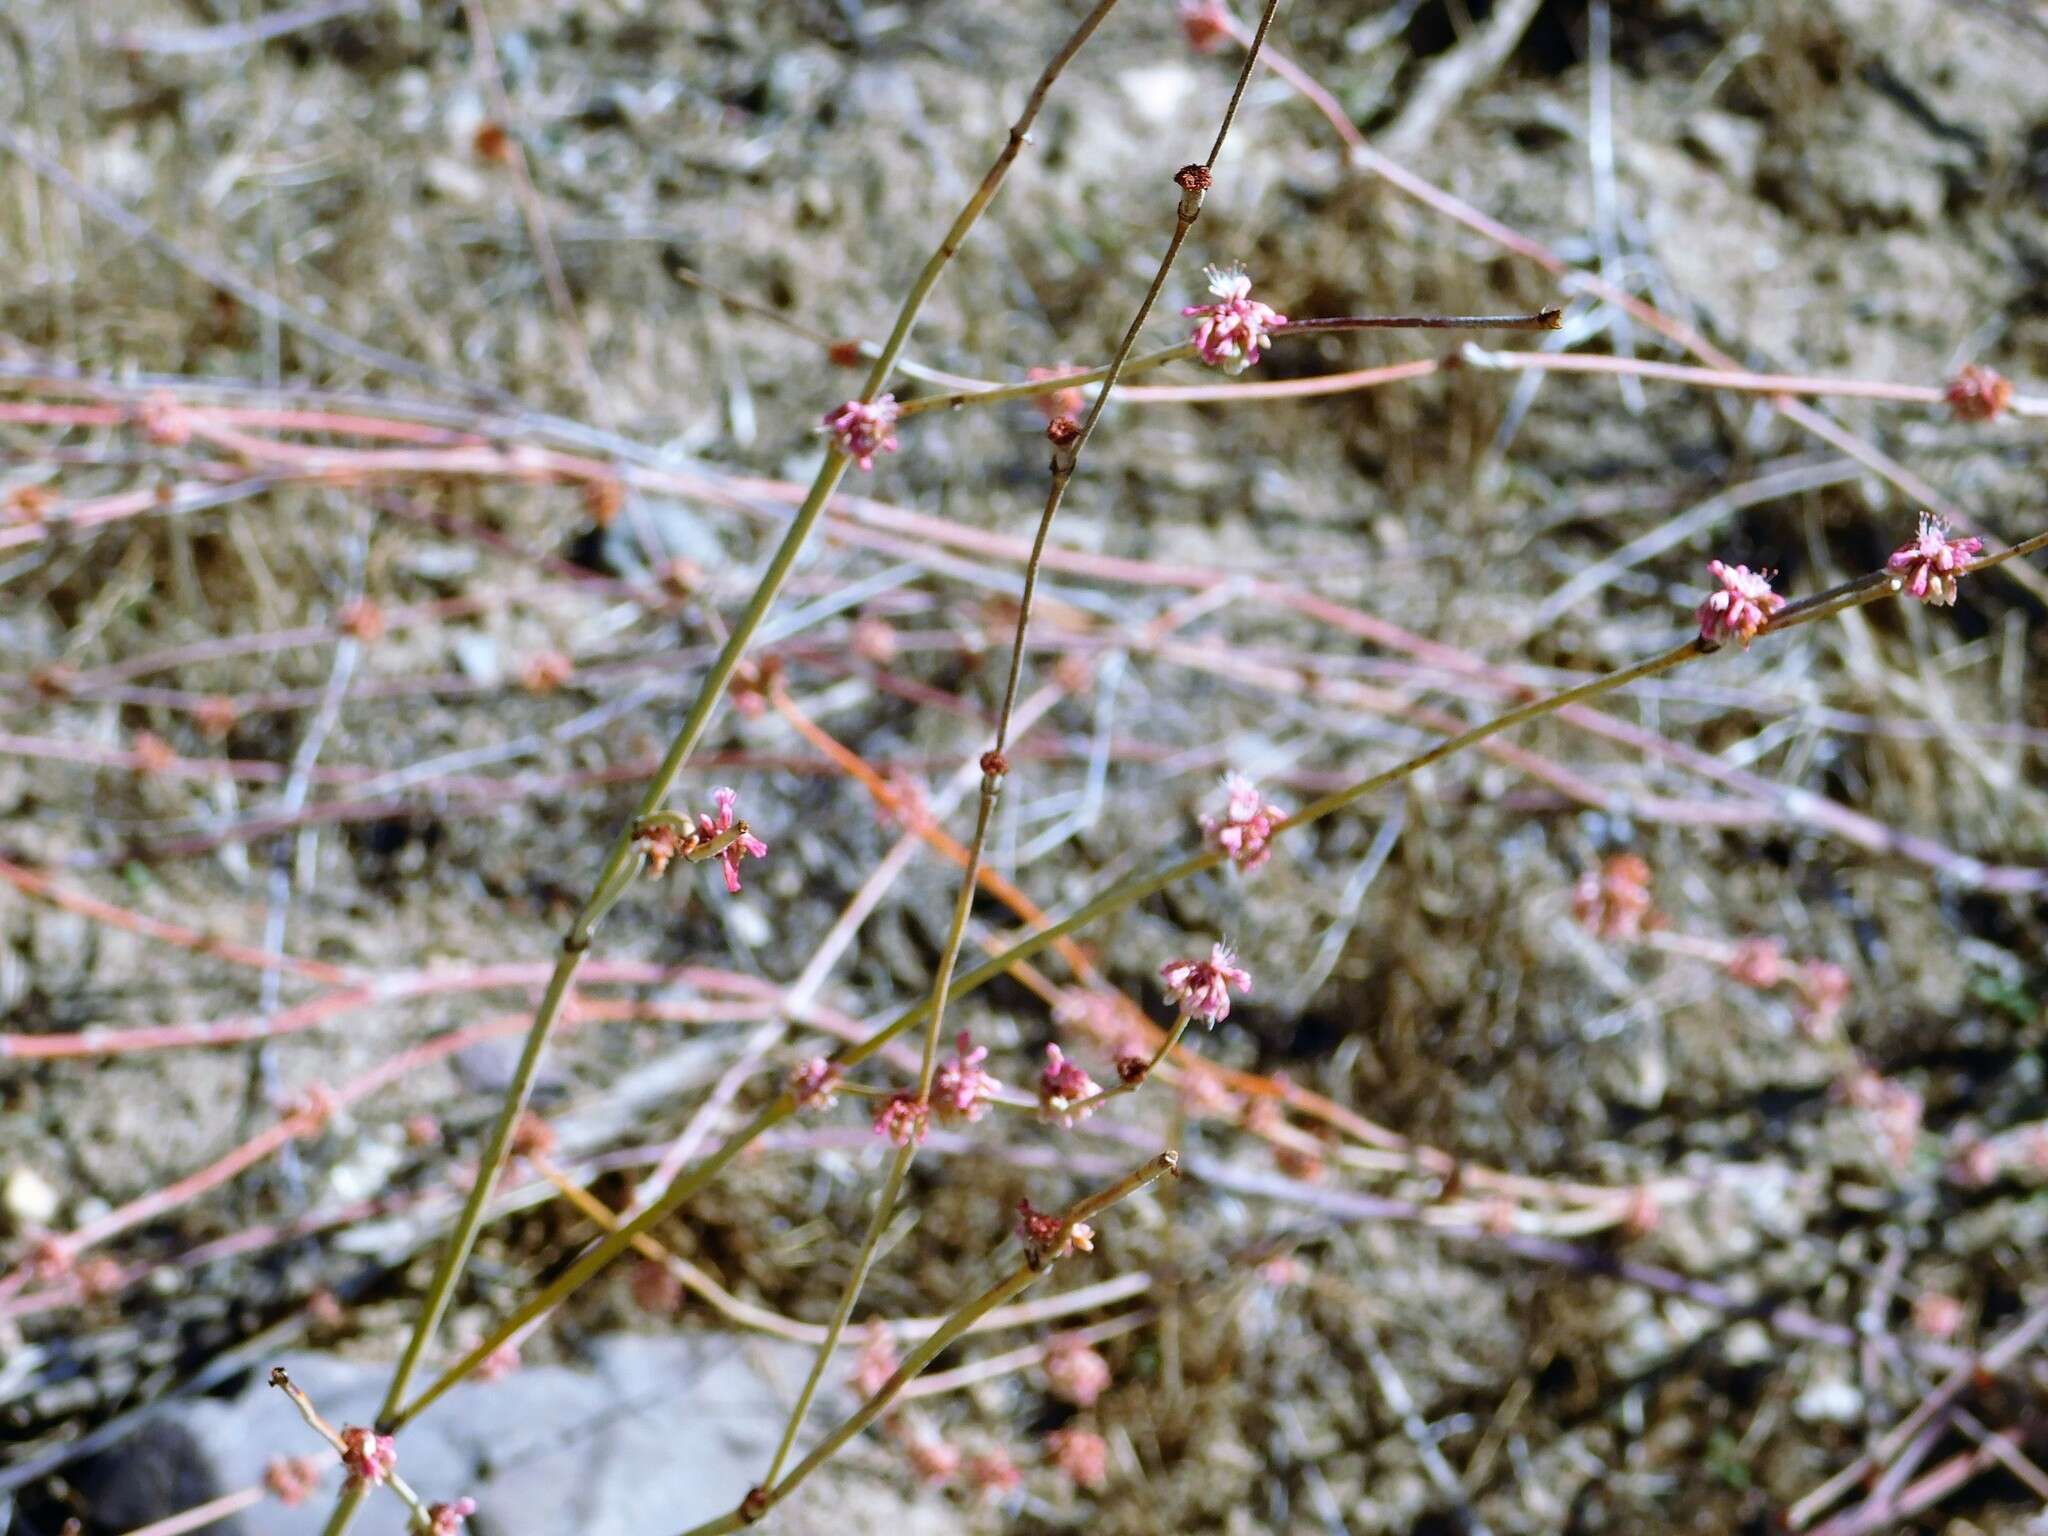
{"x": 655, "y": 1288}
{"x": 370, "y": 1458}
{"x": 1614, "y": 901}
{"x": 933, "y": 1461}
{"x": 1825, "y": 987}
{"x": 993, "y": 1473}
{"x": 1895, "y": 1111}
{"x": 1055, "y": 403}
{"x": 1976, "y": 1163}
{"x": 815, "y": 1084}
{"x": 876, "y": 1363}
{"x": 1245, "y": 827}
{"x": 164, "y": 419}
{"x": 1232, "y": 331}
{"x": 292, "y": 1480}
{"x": 1046, "y": 1236}
{"x": 904, "y": 1118}
{"x": 446, "y": 1519}
{"x": 961, "y": 1088}
{"x": 1933, "y": 563}
{"x": 745, "y": 846}
{"x": 1062, "y": 1085}
{"x": 1978, "y": 393}
{"x": 1739, "y": 609}
{"x": 1205, "y": 22}
{"x": 1758, "y": 963}
{"x": 1936, "y": 1315}
{"x": 1081, "y": 1454}
{"x": 865, "y": 428}
{"x": 499, "y": 1363}
{"x": 1076, "y": 1373}
{"x": 1201, "y": 988}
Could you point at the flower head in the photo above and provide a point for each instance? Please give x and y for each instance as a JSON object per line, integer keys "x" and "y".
{"x": 865, "y": 428}
{"x": 545, "y": 672}
{"x": 815, "y": 1084}
{"x": 1056, "y": 403}
{"x": 1201, "y": 988}
{"x": 215, "y": 715}
{"x": 1978, "y": 393}
{"x": 1081, "y": 1454}
{"x": 292, "y": 1480}
{"x": 876, "y": 1363}
{"x": 961, "y": 1088}
{"x": 1062, "y": 1085}
{"x": 1231, "y": 332}
{"x": 655, "y": 1288}
{"x": 446, "y": 1519}
{"x": 1825, "y": 988}
{"x": 1936, "y": 1315}
{"x": 742, "y": 844}
{"x": 1614, "y": 900}
{"x": 164, "y": 419}
{"x": 499, "y": 1363}
{"x": 1758, "y": 963}
{"x": 993, "y": 1473}
{"x": 934, "y": 1461}
{"x": 1739, "y": 609}
{"x": 904, "y": 1118}
{"x": 1077, "y": 1373}
{"x": 1205, "y": 22}
{"x": 1933, "y": 563}
{"x": 1246, "y": 824}
{"x": 1047, "y": 1236}
{"x": 369, "y": 1457}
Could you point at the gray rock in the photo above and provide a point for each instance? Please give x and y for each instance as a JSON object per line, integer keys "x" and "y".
{"x": 653, "y": 1436}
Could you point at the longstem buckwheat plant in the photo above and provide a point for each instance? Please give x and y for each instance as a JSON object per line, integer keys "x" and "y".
{"x": 1858, "y": 592}
{"x": 623, "y": 858}
{"x": 905, "y": 1123}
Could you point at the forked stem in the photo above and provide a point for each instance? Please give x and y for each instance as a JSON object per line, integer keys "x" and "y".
{"x": 766, "y": 1497}
{"x": 622, "y": 859}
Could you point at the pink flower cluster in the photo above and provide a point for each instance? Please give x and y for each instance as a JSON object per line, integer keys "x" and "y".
{"x": 993, "y": 1474}
{"x": 1614, "y": 901}
{"x": 877, "y": 1361}
{"x": 1933, "y": 562}
{"x": 1076, "y": 1373}
{"x": 1978, "y": 393}
{"x": 292, "y": 1480}
{"x": 1232, "y": 331}
{"x": 1046, "y": 1236}
{"x": 1246, "y": 826}
{"x": 370, "y": 1458}
{"x": 745, "y": 846}
{"x": 446, "y": 1519}
{"x": 1205, "y": 23}
{"x": 865, "y": 428}
{"x": 815, "y": 1084}
{"x": 904, "y": 1118}
{"x": 1201, "y": 988}
{"x": 1081, "y": 1454}
{"x": 1738, "y": 610}
{"x": 962, "y": 1089}
{"x": 1062, "y": 1085}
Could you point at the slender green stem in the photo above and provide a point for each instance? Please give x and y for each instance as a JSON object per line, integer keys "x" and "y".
{"x": 1096, "y": 1100}
{"x": 1128, "y": 893}
{"x": 885, "y": 1207}
{"x": 996, "y": 394}
{"x": 1066, "y": 455}
{"x": 766, "y": 1497}
{"x": 616, "y": 875}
